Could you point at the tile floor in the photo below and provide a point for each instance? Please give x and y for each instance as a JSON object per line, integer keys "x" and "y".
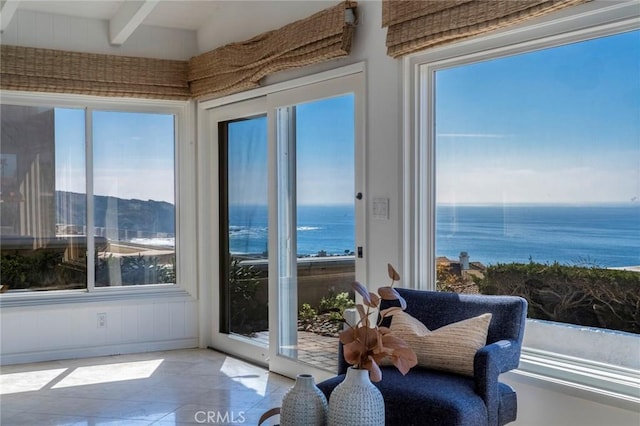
{"x": 182, "y": 387}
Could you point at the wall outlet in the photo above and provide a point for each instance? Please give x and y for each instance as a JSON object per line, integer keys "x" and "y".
{"x": 102, "y": 320}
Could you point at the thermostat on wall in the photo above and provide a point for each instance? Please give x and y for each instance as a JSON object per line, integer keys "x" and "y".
{"x": 380, "y": 208}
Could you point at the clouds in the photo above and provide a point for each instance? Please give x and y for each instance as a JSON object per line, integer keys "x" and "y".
{"x": 139, "y": 183}
{"x": 481, "y": 185}
{"x": 327, "y": 187}
{"x": 126, "y": 183}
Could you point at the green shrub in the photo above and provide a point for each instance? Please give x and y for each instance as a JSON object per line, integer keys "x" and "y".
{"x": 588, "y": 296}
{"x": 247, "y": 314}
{"x": 39, "y": 270}
{"x": 46, "y": 270}
{"x": 335, "y": 304}
{"x": 307, "y": 313}
{"x": 135, "y": 270}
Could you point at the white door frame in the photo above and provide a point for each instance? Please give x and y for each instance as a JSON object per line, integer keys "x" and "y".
{"x": 349, "y": 79}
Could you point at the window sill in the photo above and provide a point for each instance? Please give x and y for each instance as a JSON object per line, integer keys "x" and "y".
{"x": 603, "y": 383}
{"x": 64, "y": 297}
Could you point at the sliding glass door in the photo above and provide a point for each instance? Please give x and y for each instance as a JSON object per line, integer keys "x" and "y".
{"x": 289, "y": 223}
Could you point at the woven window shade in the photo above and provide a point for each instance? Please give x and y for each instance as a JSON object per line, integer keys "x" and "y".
{"x": 46, "y": 70}
{"x": 418, "y": 25}
{"x": 240, "y": 66}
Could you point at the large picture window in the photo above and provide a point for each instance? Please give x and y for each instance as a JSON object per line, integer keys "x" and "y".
{"x": 88, "y": 198}
{"x": 521, "y": 169}
{"x": 528, "y": 173}
{"x": 537, "y": 180}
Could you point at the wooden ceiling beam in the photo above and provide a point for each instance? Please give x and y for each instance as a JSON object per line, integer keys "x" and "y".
{"x": 129, "y": 16}
{"x": 7, "y": 11}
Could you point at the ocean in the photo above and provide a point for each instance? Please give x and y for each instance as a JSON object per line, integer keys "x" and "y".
{"x": 320, "y": 228}
{"x": 597, "y": 235}
{"x": 603, "y": 235}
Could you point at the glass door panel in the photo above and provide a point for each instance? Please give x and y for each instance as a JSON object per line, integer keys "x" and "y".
{"x": 238, "y": 248}
{"x": 316, "y": 227}
{"x": 244, "y": 228}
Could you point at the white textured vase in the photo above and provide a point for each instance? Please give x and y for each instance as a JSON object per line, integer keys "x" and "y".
{"x": 304, "y": 404}
{"x": 356, "y": 401}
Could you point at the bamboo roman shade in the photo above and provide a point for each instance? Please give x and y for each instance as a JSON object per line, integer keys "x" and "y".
{"x": 229, "y": 69}
{"x": 418, "y": 25}
{"x": 47, "y": 70}
{"x": 240, "y": 66}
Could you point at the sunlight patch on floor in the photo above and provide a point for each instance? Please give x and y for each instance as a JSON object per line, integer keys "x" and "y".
{"x": 109, "y": 373}
{"x": 28, "y": 381}
{"x": 251, "y": 377}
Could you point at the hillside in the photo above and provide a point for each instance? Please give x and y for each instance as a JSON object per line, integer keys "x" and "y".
{"x": 133, "y": 215}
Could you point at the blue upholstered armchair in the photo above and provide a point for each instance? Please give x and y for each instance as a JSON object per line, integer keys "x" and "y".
{"x": 427, "y": 396}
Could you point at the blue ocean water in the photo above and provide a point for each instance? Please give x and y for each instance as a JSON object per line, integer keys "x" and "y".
{"x": 320, "y": 228}
{"x": 603, "y": 235}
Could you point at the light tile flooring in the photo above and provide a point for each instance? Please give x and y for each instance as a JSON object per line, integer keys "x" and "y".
{"x": 194, "y": 386}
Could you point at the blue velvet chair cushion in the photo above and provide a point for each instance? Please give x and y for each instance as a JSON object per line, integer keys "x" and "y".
{"x": 452, "y": 399}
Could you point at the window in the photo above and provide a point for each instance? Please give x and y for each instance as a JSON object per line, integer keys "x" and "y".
{"x": 134, "y": 193}
{"x": 43, "y": 245}
{"x": 79, "y": 180}
{"x": 537, "y": 180}
{"x": 503, "y": 124}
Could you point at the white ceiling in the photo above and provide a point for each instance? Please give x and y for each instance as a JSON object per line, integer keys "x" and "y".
{"x": 200, "y": 16}
{"x": 181, "y": 14}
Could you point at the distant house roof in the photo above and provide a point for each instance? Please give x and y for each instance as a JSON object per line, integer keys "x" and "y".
{"x": 455, "y": 264}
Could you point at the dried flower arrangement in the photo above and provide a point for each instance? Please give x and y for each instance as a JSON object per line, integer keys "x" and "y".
{"x": 367, "y": 342}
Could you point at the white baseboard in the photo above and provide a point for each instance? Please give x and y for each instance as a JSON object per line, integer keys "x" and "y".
{"x": 119, "y": 349}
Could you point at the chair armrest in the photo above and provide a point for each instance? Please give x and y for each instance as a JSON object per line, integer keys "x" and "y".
{"x": 489, "y": 362}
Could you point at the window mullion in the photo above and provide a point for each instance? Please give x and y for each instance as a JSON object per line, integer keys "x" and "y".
{"x": 91, "y": 270}
{"x": 427, "y": 181}
{"x": 287, "y": 244}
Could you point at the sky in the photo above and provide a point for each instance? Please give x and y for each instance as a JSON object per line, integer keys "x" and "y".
{"x": 133, "y": 154}
{"x": 248, "y": 161}
{"x": 324, "y": 153}
{"x": 560, "y": 125}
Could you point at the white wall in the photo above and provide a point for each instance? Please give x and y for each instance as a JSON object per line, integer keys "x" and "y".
{"x": 34, "y": 29}
{"x": 40, "y": 333}
{"x": 237, "y": 21}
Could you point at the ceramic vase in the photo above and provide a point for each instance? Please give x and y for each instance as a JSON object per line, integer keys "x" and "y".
{"x": 356, "y": 401}
{"x": 304, "y": 404}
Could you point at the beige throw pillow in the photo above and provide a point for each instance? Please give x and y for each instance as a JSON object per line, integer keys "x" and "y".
{"x": 450, "y": 348}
